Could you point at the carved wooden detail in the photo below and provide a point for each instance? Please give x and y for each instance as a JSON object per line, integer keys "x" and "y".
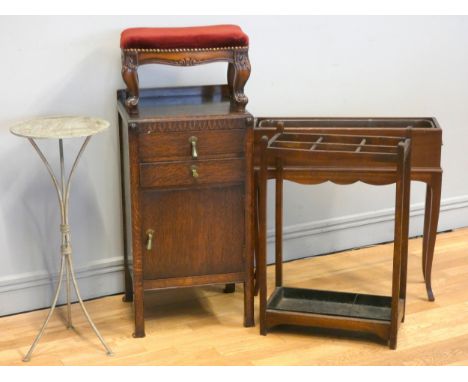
{"x": 342, "y": 179}
{"x": 192, "y": 125}
{"x": 240, "y": 75}
{"x": 188, "y": 62}
{"x": 236, "y": 57}
{"x": 130, "y": 77}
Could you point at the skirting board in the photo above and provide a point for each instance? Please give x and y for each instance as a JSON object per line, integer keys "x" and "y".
{"x": 32, "y": 291}
{"x": 24, "y": 292}
{"x": 352, "y": 231}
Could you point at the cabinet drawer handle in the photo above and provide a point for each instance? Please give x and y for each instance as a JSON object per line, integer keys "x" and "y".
{"x": 193, "y": 168}
{"x": 149, "y": 239}
{"x": 193, "y": 141}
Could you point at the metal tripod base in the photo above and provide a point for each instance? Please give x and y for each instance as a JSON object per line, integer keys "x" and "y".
{"x": 66, "y": 265}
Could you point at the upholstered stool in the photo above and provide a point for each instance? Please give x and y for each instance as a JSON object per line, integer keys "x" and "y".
{"x": 186, "y": 47}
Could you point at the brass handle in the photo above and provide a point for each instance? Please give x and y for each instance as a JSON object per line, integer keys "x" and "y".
{"x": 149, "y": 239}
{"x": 193, "y": 141}
{"x": 195, "y": 174}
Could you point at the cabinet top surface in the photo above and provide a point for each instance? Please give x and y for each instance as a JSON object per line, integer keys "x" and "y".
{"x": 180, "y": 102}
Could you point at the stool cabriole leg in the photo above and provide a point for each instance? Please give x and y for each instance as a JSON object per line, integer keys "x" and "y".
{"x": 238, "y": 74}
{"x": 63, "y": 193}
{"x": 130, "y": 77}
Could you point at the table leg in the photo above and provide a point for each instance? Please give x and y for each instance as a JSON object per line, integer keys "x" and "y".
{"x": 27, "y": 357}
{"x": 69, "y": 319}
{"x": 85, "y": 312}
{"x": 427, "y": 221}
{"x": 63, "y": 194}
{"x": 431, "y": 219}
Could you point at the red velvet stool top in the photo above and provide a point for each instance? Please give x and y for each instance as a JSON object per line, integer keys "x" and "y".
{"x": 206, "y": 37}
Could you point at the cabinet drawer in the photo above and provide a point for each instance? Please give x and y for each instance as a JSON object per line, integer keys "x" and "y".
{"x": 172, "y": 174}
{"x": 177, "y": 145}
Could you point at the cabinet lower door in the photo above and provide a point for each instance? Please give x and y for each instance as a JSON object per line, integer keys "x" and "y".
{"x": 196, "y": 231}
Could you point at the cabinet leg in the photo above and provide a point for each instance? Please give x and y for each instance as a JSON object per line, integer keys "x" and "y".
{"x": 431, "y": 219}
{"x": 392, "y": 342}
{"x": 139, "y": 314}
{"x": 128, "y": 296}
{"x": 249, "y": 319}
{"x": 229, "y": 288}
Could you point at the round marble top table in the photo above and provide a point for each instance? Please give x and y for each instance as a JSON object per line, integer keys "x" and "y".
{"x": 62, "y": 127}
{"x": 59, "y": 127}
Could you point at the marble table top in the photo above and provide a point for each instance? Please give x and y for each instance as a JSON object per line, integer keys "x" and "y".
{"x": 59, "y": 127}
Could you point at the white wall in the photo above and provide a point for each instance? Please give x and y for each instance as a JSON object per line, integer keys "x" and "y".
{"x": 315, "y": 66}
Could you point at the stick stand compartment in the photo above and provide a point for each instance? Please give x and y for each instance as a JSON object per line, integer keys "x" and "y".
{"x": 342, "y": 159}
{"x": 327, "y": 303}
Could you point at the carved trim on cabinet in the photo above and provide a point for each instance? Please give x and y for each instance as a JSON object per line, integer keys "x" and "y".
{"x": 193, "y": 125}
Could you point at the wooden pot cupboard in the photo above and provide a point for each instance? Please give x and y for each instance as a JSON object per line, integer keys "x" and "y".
{"x": 187, "y": 176}
{"x": 189, "y": 166}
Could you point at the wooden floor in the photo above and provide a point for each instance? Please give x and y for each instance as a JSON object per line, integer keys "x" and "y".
{"x": 202, "y": 326}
